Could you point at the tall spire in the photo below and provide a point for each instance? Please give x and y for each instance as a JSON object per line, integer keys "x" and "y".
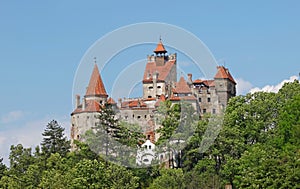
{"x": 96, "y": 86}
{"x": 160, "y": 49}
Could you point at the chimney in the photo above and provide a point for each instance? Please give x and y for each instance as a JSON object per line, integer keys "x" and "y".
{"x": 120, "y": 102}
{"x": 190, "y": 80}
{"x": 77, "y": 102}
{"x": 83, "y": 104}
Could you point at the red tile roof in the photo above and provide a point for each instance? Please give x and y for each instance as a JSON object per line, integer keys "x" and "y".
{"x": 133, "y": 104}
{"x": 90, "y": 106}
{"x": 209, "y": 83}
{"x": 111, "y": 101}
{"x": 160, "y": 48}
{"x": 223, "y": 73}
{"x": 182, "y": 86}
{"x": 96, "y": 86}
{"x": 197, "y": 81}
{"x": 162, "y": 98}
{"x": 177, "y": 98}
{"x": 163, "y": 71}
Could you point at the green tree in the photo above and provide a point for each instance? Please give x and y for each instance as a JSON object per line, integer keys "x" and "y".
{"x": 54, "y": 176}
{"x": 2, "y": 168}
{"x": 88, "y": 174}
{"x": 169, "y": 178}
{"x": 54, "y": 140}
{"x": 168, "y": 116}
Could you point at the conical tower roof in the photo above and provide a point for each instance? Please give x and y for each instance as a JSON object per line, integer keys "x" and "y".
{"x": 96, "y": 86}
{"x": 160, "y": 48}
{"x": 223, "y": 73}
{"x": 182, "y": 86}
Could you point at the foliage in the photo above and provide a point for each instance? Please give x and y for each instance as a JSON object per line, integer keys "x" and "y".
{"x": 54, "y": 140}
{"x": 170, "y": 178}
{"x": 257, "y": 147}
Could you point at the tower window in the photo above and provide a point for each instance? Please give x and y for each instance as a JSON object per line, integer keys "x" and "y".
{"x": 204, "y": 111}
{"x": 158, "y": 87}
{"x": 199, "y": 99}
{"x": 208, "y": 99}
{"x": 138, "y": 117}
{"x": 145, "y": 116}
{"x": 150, "y": 87}
{"x": 149, "y": 96}
{"x": 214, "y": 111}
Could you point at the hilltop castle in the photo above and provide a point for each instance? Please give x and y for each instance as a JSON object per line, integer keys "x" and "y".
{"x": 159, "y": 84}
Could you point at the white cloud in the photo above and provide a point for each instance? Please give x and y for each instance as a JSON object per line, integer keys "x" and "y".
{"x": 12, "y": 116}
{"x": 243, "y": 86}
{"x": 29, "y": 134}
{"x": 274, "y": 88}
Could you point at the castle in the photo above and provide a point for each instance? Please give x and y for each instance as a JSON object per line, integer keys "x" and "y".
{"x": 159, "y": 84}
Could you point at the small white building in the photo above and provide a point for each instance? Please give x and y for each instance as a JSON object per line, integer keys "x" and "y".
{"x": 146, "y": 154}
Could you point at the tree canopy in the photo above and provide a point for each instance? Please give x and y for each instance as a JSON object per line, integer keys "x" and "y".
{"x": 257, "y": 147}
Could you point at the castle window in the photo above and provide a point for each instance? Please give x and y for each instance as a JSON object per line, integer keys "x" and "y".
{"x": 149, "y": 96}
{"x": 161, "y": 156}
{"x": 158, "y": 87}
{"x": 208, "y": 99}
{"x": 101, "y": 101}
{"x": 138, "y": 117}
{"x": 204, "y": 111}
{"x": 126, "y": 117}
{"x": 214, "y": 111}
{"x": 145, "y": 116}
{"x": 78, "y": 136}
{"x": 199, "y": 99}
{"x": 148, "y": 137}
{"x": 87, "y": 117}
{"x": 150, "y": 88}
{"x": 132, "y": 115}
{"x": 149, "y": 146}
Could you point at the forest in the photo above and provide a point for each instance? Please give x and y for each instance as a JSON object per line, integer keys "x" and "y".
{"x": 257, "y": 146}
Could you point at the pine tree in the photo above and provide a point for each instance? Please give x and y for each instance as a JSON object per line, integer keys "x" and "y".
{"x": 2, "y": 168}
{"x": 54, "y": 140}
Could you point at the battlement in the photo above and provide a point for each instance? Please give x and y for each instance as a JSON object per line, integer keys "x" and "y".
{"x": 165, "y": 57}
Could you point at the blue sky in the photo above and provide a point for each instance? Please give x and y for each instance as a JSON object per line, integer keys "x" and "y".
{"x": 42, "y": 43}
